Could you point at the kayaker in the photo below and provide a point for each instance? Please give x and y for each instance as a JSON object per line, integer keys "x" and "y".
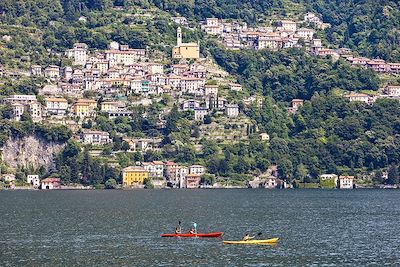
{"x": 192, "y": 231}
{"x": 247, "y": 237}
{"x": 178, "y": 230}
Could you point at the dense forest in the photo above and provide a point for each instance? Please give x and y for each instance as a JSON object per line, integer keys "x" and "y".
{"x": 292, "y": 73}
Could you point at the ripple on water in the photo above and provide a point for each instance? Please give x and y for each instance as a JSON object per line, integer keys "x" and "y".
{"x": 122, "y": 228}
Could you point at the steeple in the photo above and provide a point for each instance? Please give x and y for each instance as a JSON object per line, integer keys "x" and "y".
{"x": 179, "y": 36}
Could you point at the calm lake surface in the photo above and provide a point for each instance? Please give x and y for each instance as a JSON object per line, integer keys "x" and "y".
{"x": 122, "y": 228}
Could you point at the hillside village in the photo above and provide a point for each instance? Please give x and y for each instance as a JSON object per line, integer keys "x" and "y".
{"x": 115, "y": 82}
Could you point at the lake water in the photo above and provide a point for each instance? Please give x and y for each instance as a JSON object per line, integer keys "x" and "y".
{"x": 122, "y": 228}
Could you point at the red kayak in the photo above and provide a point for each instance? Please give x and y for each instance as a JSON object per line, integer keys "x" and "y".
{"x": 216, "y": 234}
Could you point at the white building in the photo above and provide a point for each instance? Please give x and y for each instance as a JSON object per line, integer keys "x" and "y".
{"x": 392, "y": 90}
{"x": 196, "y": 169}
{"x": 306, "y": 34}
{"x": 235, "y": 87}
{"x": 180, "y": 176}
{"x": 34, "y": 180}
{"x": 51, "y": 183}
{"x": 56, "y": 106}
{"x": 95, "y": 137}
{"x": 288, "y": 25}
{"x": 200, "y": 113}
{"x": 346, "y": 182}
{"x": 21, "y": 99}
{"x": 180, "y": 20}
{"x": 190, "y": 104}
{"x": 36, "y": 70}
{"x": 52, "y": 72}
{"x": 155, "y": 168}
{"x": 125, "y": 55}
{"x": 18, "y": 109}
{"x": 358, "y": 97}
{"x": 210, "y": 90}
{"x": 192, "y": 85}
{"x": 78, "y": 53}
{"x": 232, "y": 110}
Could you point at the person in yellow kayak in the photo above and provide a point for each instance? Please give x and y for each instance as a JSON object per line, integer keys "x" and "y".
{"x": 247, "y": 237}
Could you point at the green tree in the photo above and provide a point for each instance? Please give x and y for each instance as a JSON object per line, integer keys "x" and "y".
{"x": 393, "y": 175}
{"x": 110, "y": 184}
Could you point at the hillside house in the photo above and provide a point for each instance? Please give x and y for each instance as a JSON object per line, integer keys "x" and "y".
{"x": 56, "y": 106}
{"x": 95, "y": 137}
{"x": 232, "y": 110}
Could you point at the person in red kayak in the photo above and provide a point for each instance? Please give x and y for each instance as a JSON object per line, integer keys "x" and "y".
{"x": 178, "y": 230}
{"x": 192, "y": 231}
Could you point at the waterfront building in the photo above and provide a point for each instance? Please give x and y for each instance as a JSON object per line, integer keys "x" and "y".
{"x": 193, "y": 181}
{"x": 51, "y": 183}
{"x": 196, "y": 169}
{"x": 180, "y": 177}
{"x": 33, "y": 179}
{"x": 170, "y": 170}
{"x": 346, "y": 182}
{"x": 134, "y": 176}
{"x": 8, "y": 177}
{"x": 328, "y": 181}
{"x": 155, "y": 168}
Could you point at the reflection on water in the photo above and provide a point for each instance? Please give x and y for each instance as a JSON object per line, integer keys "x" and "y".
{"x": 122, "y": 228}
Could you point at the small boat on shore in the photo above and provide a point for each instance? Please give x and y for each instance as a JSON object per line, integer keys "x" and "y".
{"x": 215, "y": 234}
{"x": 253, "y": 242}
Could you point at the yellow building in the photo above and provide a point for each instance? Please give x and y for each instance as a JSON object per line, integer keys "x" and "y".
{"x": 134, "y": 175}
{"x": 84, "y": 107}
{"x": 185, "y": 50}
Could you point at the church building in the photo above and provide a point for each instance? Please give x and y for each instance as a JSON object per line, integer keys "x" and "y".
{"x": 185, "y": 50}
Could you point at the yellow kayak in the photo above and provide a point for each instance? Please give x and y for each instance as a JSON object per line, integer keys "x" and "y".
{"x": 253, "y": 242}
